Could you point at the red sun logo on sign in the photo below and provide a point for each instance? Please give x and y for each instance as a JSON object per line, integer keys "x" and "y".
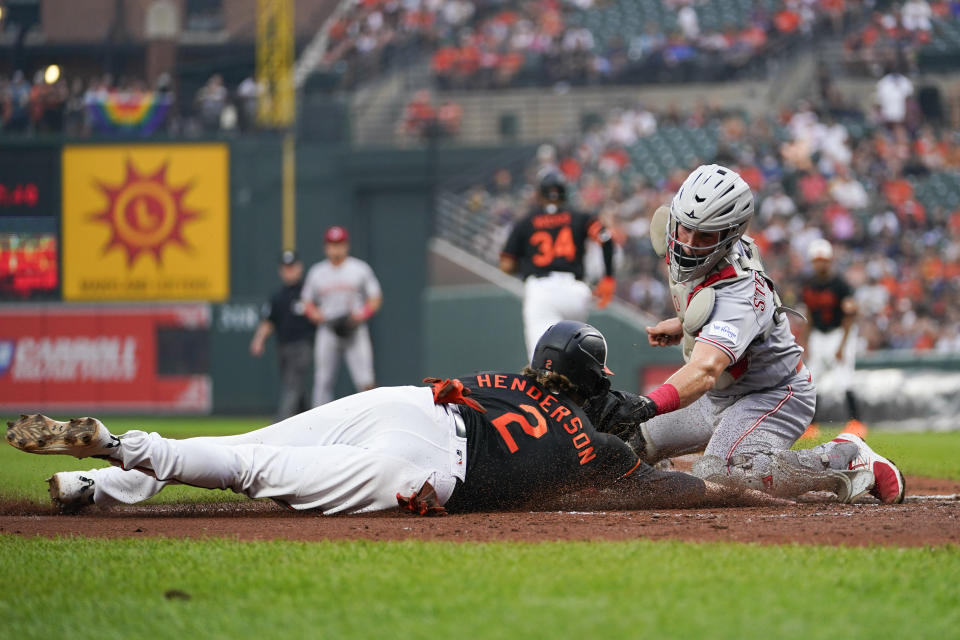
{"x": 145, "y": 213}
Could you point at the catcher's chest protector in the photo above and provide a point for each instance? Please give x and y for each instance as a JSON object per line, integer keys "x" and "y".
{"x": 694, "y": 300}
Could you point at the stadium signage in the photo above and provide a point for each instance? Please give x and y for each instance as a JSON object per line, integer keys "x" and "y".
{"x": 146, "y": 222}
{"x": 57, "y": 357}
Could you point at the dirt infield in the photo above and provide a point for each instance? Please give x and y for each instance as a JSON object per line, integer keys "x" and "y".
{"x": 930, "y": 516}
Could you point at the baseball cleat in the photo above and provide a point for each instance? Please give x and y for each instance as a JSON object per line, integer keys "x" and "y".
{"x": 80, "y": 437}
{"x": 71, "y": 491}
{"x": 853, "y": 484}
{"x": 890, "y": 485}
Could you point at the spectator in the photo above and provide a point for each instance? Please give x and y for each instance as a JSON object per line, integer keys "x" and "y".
{"x": 248, "y": 95}
{"x": 449, "y": 116}
{"x": 847, "y": 191}
{"x": 893, "y": 90}
{"x": 777, "y": 204}
{"x": 915, "y": 15}
{"x": 211, "y": 99}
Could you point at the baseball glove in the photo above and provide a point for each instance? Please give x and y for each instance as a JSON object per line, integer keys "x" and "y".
{"x": 343, "y": 326}
{"x": 619, "y": 413}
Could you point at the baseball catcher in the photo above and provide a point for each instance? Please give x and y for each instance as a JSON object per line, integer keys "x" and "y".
{"x": 744, "y": 395}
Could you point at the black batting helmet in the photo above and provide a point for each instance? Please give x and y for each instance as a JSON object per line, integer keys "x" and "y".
{"x": 553, "y": 187}
{"x": 575, "y": 350}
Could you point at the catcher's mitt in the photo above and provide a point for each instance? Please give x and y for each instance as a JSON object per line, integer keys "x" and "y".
{"x": 619, "y": 413}
{"x": 343, "y": 326}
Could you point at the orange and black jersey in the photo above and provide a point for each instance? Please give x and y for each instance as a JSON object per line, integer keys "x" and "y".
{"x": 543, "y": 242}
{"x": 531, "y": 445}
{"x": 824, "y": 302}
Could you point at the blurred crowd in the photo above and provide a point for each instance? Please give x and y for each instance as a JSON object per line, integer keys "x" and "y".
{"x": 105, "y": 105}
{"x": 855, "y": 182}
{"x": 424, "y": 118}
{"x": 476, "y": 44}
{"x": 900, "y": 31}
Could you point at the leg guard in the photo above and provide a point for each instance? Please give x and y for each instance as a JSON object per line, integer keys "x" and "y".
{"x": 737, "y": 474}
{"x": 792, "y": 476}
{"x": 788, "y": 476}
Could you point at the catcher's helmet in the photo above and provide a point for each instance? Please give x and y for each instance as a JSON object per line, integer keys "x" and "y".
{"x": 575, "y": 350}
{"x": 711, "y": 199}
{"x": 553, "y": 187}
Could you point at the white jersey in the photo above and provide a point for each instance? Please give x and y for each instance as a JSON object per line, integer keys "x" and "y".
{"x": 340, "y": 289}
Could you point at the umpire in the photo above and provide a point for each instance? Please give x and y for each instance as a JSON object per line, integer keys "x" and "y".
{"x": 284, "y": 314}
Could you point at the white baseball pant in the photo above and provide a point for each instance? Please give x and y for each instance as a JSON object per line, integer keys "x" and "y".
{"x": 828, "y": 372}
{"x": 351, "y": 455}
{"x": 550, "y": 299}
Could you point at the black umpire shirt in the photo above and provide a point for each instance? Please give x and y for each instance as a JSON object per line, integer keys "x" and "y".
{"x": 285, "y": 311}
{"x": 531, "y": 445}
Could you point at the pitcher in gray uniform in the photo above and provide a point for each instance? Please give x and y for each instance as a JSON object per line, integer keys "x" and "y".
{"x": 744, "y": 395}
{"x": 340, "y": 295}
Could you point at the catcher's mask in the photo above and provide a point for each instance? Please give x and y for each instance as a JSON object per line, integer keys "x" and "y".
{"x": 575, "y": 350}
{"x": 713, "y": 199}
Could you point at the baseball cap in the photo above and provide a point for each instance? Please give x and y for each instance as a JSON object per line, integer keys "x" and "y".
{"x": 820, "y": 249}
{"x": 336, "y": 234}
{"x": 289, "y": 257}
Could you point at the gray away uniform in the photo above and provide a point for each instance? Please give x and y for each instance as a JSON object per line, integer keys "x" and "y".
{"x": 338, "y": 290}
{"x": 762, "y": 403}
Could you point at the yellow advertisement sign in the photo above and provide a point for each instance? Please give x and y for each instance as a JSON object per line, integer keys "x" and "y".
{"x": 146, "y": 222}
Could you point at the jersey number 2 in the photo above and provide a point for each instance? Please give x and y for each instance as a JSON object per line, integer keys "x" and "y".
{"x": 536, "y": 430}
{"x": 548, "y": 248}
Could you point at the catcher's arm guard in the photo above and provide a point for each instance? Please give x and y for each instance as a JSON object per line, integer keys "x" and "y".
{"x": 452, "y": 392}
{"x": 620, "y": 413}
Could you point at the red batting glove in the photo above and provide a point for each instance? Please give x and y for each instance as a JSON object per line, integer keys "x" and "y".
{"x": 604, "y": 291}
{"x": 422, "y": 503}
{"x": 452, "y": 392}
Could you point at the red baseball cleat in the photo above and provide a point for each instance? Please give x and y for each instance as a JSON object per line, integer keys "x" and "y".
{"x": 890, "y": 485}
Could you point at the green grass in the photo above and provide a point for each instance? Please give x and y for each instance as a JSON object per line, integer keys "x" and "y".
{"x": 87, "y": 588}
{"x": 21, "y": 475}
{"x": 82, "y": 588}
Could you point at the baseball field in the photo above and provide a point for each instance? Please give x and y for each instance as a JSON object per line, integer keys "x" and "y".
{"x": 194, "y": 563}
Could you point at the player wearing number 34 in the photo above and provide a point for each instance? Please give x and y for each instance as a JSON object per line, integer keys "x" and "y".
{"x": 546, "y": 249}
{"x": 482, "y": 442}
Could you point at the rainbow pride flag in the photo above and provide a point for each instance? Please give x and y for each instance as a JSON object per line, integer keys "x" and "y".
{"x": 137, "y": 113}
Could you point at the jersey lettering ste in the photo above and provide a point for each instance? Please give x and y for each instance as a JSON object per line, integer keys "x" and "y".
{"x": 745, "y": 326}
{"x": 531, "y": 444}
{"x": 544, "y": 242}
